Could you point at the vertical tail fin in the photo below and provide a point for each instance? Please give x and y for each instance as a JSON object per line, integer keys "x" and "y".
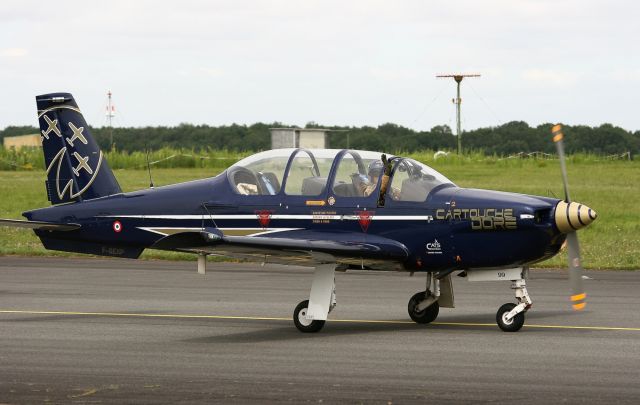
{"x": 76, "y": 167}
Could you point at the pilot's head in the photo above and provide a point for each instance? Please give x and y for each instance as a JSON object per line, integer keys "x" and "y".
{"x": 375, "y": 171}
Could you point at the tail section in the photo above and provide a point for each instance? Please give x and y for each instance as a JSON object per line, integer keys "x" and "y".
{"x": 76, "y": 168}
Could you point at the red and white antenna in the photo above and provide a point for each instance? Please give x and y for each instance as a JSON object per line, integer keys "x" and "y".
{"x": 111, "y": 113}
{"x": 111, "y": 108}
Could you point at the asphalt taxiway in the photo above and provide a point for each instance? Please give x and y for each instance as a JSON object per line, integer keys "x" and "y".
{"x": 94, "y": 330}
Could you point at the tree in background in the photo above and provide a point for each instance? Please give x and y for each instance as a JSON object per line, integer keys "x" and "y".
{"x": 509, "y": 138}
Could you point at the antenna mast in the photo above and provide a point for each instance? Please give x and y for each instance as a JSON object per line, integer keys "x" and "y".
{"x": 457, "y": 101}
{"x": 149, "y": 169}
{"x": 111, "y": 112}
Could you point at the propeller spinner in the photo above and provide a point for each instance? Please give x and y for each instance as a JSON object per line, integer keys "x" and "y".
{"x": 569, "y": 217}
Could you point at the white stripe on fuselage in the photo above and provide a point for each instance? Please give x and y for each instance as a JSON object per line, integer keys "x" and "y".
{"x": 172, "y": 230}
{"x": 157, "y": 230}
{"x": 428, "y": 218}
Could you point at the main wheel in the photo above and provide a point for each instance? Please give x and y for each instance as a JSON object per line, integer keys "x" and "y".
{"x": 302, "y": 323}
{"x": 428, "y": 314}
{"x": 515, "y": 324}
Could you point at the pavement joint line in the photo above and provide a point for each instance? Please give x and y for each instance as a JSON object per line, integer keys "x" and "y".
{"x": 265, "y": 318}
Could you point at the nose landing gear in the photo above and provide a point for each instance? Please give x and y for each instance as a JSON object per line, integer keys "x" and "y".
{"x": 509, "y": 325}
{"x": 510, "y": 317}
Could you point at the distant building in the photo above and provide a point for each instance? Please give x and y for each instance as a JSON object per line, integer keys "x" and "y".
{"x": 18, "y": 142}
{"x": 299, "y": 138}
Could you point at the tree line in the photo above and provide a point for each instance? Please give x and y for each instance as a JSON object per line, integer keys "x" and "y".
{"x": 509, "y": 138}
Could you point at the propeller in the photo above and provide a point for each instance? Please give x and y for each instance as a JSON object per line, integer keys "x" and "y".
{"x": 571, "y": 216}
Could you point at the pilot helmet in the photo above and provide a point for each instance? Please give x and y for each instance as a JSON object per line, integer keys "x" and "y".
{"x": 376, "y": 168}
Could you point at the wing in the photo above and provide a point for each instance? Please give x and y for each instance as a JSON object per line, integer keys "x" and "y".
{"x": 293, "y": 247}
{"x": 46, "y": 226}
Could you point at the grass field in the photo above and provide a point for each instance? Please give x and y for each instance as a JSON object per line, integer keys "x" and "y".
{"x": 612, "y": 188}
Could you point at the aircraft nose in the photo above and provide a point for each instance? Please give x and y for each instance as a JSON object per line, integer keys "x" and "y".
{"x": 573, "y": 216}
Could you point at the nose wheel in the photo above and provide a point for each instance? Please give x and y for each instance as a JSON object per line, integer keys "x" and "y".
{"x": 507, "y": 324}
{"x": 510, "y": 316}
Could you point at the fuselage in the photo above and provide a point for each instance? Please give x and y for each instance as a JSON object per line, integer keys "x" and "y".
{"x": 454, "y": 228}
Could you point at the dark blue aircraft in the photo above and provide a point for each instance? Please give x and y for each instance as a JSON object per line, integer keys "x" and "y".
{"x": 335, "y": 210}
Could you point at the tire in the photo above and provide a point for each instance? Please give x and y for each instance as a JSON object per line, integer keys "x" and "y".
{"x": 428, "y": 314}
{"x": 516, "y": 323}
{"x": 304, "y": 325}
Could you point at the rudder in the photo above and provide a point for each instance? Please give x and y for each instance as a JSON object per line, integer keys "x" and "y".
{"x": 76, "y": 167}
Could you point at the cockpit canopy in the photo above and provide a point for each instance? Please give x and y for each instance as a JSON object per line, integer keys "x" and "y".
{"x": 341, "y": 172}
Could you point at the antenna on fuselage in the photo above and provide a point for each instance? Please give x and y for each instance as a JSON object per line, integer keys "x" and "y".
{"x": 149, "y": 170}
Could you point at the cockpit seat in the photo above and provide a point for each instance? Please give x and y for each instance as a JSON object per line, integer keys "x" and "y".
{"x": 413, "y": 190}
{"x": 243, "y": 180}
{"x": 273, "y": 181}
{"x": 313, "y": 185}
{"x": 345, "y": 190}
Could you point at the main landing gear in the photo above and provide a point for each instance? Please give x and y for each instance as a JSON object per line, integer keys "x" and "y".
{"x": 424, "y": 306}
{"x": 310, "y": 315}
{"x": 426, "y": 315}
{"x": 302, "y": 322}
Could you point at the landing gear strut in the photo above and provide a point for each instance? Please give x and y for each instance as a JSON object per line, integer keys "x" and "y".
{"x": 310, "y": 315}
{"x": 423, "y": 307}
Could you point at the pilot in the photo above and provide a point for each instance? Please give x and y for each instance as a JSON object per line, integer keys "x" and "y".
{"x": 375, "y": 170}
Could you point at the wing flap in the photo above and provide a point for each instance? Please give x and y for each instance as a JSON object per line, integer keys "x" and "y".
{"x": 45, "y": 226}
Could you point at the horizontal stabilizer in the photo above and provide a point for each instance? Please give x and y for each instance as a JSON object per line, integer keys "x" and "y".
{"x": 45, "y": 226}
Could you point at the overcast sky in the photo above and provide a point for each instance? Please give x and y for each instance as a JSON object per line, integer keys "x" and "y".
{"x": 332, "y": 62}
